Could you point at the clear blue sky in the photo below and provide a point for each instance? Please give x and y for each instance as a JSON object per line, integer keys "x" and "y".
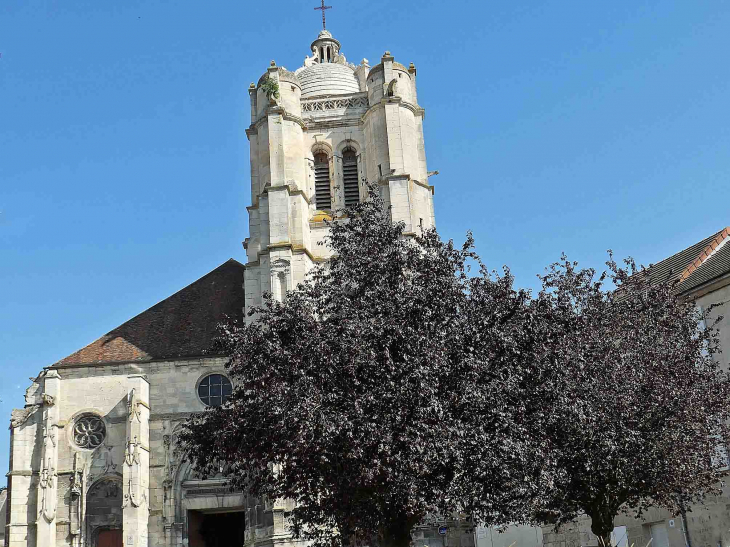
{"x": 556, "y": 126}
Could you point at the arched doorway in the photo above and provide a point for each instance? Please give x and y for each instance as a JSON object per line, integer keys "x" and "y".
{"x": 104, "y": 512}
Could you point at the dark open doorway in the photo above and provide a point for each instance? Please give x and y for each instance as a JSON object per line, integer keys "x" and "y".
{"x": 216, "y": 529}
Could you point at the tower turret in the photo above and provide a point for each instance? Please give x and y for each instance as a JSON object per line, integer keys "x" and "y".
{"x": 325, "y": 49}
{"x": 394, "y": 128}
{"x": 318, "y": 136}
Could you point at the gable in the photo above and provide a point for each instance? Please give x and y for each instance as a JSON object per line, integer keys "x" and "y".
{"x": 715, "y": 263}
{"x": 698, "y": 264}
{"x": 183, "y": 325}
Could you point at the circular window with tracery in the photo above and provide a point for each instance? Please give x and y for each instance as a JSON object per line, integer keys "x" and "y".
{"x": 214, "y": 389}
{"x": 89, "y": 431}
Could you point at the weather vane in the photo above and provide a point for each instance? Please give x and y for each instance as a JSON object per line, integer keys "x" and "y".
{"x": 323, "y": 7}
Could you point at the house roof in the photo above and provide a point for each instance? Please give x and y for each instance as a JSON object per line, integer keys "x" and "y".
{"x": 698, "y": 264}
{"x": 182, "y": 325}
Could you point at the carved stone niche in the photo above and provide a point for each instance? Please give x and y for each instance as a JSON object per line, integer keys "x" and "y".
{"x": 280, "y": 278}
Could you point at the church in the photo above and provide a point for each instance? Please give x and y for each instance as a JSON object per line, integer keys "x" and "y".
{"x": 93, "y": 459}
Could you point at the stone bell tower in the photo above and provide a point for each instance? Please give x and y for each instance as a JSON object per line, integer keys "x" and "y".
{"x": 318, "y": 135}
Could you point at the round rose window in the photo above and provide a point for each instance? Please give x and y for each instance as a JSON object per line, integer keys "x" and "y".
{"x": 214, "y": 389}
{"x": 89, "y": 431}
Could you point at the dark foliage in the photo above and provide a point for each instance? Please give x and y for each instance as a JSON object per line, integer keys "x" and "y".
{"x": 636, "y": 403}
{"x": 389, "y": 386}
{"x": 395, "y": 384}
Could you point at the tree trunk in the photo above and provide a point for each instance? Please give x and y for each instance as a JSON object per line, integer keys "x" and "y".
{"x": 396, "y": 537}
{"x": 398, "y": 532}
{"x": 602, "y": 526}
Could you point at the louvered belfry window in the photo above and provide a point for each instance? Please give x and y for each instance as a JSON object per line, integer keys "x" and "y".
{"x": 322, "y": 196}
{"x": 350, "y": 178}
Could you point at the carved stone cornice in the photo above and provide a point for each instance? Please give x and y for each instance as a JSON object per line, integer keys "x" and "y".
{"x": 423, "y": 185}
{"x": 170, "y": 416}
{"x": 322, "y": 104}
{"x": 301, "y": 193}
{"x": 277, "y": 188}
{"x": 295, "y": 249}
{"x": 253, "y": 129}
{"x": 296, "y": 119}
{"x": 281, "y": 111}
{"x": 417, "y": 110}
{"x": 293, "y": 191}
{"x": 124, "y": 365}
{"x": 385, "y": 180}
{"x": 22, "y": 473}
{"x": 332, "y": 123}
{"x": 280, "y": 245}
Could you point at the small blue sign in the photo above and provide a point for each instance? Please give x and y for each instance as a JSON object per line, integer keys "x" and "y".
{"x": 442, "y": 530}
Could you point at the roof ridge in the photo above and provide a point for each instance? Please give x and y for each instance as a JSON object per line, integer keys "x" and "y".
{"x": 719, "y": 238}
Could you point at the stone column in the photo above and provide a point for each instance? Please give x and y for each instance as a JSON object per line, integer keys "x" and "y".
{"x": 48, "y": 480}
{"x": 77, "y": 500}
{"x": 137, "y": 463}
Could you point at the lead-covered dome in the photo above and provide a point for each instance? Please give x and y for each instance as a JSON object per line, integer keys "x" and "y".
{"x": 327, "y": 79}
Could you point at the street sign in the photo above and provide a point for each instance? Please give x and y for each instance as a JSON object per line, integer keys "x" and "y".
{"x": 442, "y": 530}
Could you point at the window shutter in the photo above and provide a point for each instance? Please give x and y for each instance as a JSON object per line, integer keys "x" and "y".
{"x": 322, "y": 195}
{"x": 350, "y": 178}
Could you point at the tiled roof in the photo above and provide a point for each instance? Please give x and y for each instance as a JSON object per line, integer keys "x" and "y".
{"x": 182, "y": 325}
{"x": 714, "y": 266}
{"x": 697, "y": 264}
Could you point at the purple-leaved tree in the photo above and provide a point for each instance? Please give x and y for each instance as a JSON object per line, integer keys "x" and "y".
{"x": 390, "y": 385}
{"x": 396, "y": 383}
{"x": 636, "y": 402}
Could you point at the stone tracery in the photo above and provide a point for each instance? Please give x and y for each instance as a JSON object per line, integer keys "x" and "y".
{"x": 331, "y": 103}
{"x": 89, "y": 431}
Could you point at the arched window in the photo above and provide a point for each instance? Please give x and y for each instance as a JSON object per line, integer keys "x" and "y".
{"x": 350, "y": 185}
{"x": 322, "y": 195}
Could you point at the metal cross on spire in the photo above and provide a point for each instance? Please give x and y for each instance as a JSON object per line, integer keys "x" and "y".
{"x": 323, "y": 7}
